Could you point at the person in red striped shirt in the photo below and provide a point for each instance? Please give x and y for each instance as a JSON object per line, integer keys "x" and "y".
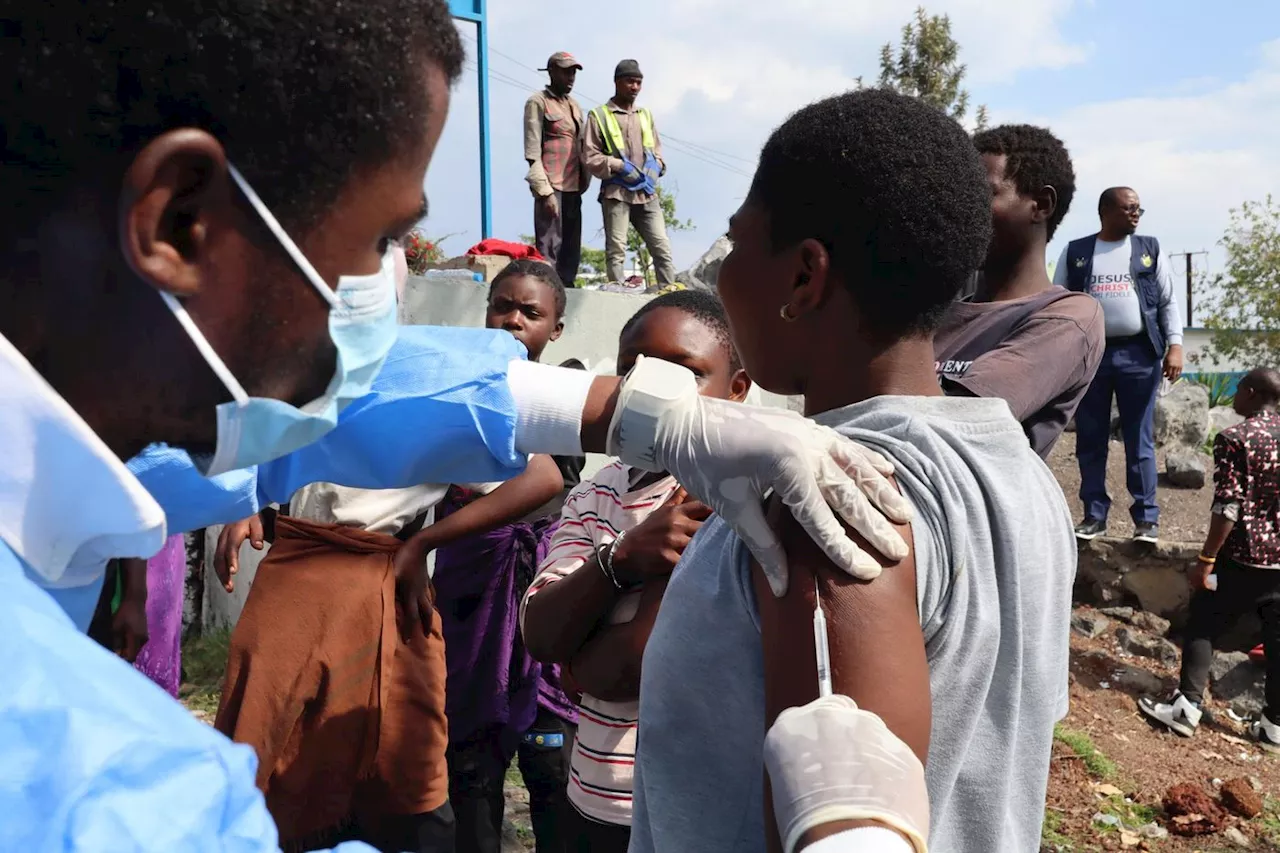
{"x": 597, "y": 593}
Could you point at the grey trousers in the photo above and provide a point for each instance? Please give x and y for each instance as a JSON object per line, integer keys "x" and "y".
{"x": 648, "y": 222}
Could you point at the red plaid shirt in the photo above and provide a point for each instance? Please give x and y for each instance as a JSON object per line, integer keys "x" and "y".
{"x": 1246, "y": 489}
{"x": 553, "y": 135}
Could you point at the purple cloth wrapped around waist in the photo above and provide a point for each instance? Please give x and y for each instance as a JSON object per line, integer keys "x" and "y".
{"x": 479, "y": 580}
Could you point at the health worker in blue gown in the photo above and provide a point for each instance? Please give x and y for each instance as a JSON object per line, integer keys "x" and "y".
{"x": 195, "y": 253}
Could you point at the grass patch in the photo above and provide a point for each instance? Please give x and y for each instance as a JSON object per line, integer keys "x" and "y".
{"x": 1098, "y": 765}
{"x": 204, "y": 662}
{"x": 1051, "y": 832}
{"x": 1270, "y": 820}
{"x": 1130, "y": 814}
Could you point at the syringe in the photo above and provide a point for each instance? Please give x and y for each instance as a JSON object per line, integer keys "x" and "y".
{"x": 821, "y": 645}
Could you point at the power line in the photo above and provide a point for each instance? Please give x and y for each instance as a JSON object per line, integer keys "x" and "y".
{"x": 697, "y": 151}
{"x": 499, "y": 77}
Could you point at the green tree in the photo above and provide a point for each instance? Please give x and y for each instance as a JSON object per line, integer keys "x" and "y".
{"x": 635, "y": 244}
{"x": 927, "y": 66}
{"x": 1241, "y": 305}
{"x": 593, "y": 259}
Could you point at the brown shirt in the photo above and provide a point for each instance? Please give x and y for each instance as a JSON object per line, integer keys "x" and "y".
{"x": 553, "y": 134}
{"x": 1038, "y": 353}
{"x": 604, "y": 167}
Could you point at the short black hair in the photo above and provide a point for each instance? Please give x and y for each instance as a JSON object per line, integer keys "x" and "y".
{"x": 1266, "y": 384}
{"x": 895, "y": 191}
{"x": 534, "y": 269}
{"x": 1035, "y": 158}
{"x": 1109, "y": 197}
{"x": 301, "y": 93}
{"x": 703, "y": 306}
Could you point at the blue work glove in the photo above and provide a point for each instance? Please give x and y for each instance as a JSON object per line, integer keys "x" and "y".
{"x": 630, "y": 174}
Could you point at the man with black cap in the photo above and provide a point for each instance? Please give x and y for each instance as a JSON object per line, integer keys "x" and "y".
{"x": 624, "y": 152}
{"x": 553, "y": 126}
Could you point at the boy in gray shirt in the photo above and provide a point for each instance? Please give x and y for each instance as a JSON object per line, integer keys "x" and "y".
{"x": 962, "y": 647}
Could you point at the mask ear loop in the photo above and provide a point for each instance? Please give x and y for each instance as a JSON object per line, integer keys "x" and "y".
{"x": 215, "y": 362}
{"x": 286, "y": 241}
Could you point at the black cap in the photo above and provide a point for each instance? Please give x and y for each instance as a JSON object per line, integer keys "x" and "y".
{"x": 627, "y": 68}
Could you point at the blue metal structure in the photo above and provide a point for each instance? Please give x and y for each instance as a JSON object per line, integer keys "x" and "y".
{"x": 474, "y": 11}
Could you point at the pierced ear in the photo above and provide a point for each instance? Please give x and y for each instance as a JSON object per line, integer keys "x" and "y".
{"x": 812, "y": 282}
{"x": 174, "y": 191}
{"x": 739, "y": 385}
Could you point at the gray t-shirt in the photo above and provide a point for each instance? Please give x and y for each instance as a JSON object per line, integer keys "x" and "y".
{"x": 995, "y": 561}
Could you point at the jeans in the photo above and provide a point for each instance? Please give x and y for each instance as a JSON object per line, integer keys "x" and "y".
{"x": 1131, "y": 372}
{"x": 1240, "y": 588}
{"x": 559, "y": 238}
{"x": 649, "y": 223}
{"x": 478, "y": 769}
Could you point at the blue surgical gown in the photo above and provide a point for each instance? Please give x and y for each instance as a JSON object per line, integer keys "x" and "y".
{"x": 440, "y": 412}
{"x": 95, "y": 757}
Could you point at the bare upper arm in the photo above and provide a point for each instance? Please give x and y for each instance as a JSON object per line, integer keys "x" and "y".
{"x": 877, "y": 646}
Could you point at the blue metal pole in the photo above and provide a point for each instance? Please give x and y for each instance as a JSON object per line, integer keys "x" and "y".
{"x": 482, "y": 64}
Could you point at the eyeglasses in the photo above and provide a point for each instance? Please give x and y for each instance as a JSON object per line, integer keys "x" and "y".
{"x": 1133, "y": 208}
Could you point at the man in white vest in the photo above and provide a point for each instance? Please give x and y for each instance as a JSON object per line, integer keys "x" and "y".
{"x": 623, "y": 150}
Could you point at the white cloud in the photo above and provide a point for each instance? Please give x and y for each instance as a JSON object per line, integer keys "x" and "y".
{"x": 723, "y": 73}
{"x": 1191, "y": 157}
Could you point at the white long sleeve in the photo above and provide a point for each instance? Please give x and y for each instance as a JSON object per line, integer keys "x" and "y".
{"x": 1170, "y": 313}
{"x": 549, "y": 403}
{"x": 865, "y": 839}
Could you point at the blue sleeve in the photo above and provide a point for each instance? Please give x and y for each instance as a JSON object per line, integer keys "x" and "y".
{"x": 440, "y": 412}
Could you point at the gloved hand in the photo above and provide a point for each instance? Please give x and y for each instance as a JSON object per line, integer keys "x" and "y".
{"x": 829, "y": 761}
{"x": 730, "y": 456}
{"x": 629, "y": 173}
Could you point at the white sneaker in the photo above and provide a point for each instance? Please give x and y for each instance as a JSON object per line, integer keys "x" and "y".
{"x": 1266, "y": 733}
{"x": 1178, "y": 714}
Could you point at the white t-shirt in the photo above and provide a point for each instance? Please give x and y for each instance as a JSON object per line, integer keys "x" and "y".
{"x": 1111, "y": 283}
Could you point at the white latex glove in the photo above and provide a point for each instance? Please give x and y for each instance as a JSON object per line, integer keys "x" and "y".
{"x": 829, "y": 761}
{"x": 730, "y": 456}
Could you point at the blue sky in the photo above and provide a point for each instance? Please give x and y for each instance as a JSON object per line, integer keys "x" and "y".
{"x": 1180, "y": 99}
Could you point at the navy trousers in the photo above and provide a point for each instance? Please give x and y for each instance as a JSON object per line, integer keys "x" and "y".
{"x": 1131, "y": 372}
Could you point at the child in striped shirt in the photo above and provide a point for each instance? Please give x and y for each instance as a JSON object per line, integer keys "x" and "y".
{"x": 598, "y": 590}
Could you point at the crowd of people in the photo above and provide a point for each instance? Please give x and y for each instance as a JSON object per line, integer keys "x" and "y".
{"x": 616, "y": 142}
{"x": 642, "y": 642}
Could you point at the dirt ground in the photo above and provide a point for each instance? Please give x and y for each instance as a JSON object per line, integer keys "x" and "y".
{"x": 1184, "y": 513}
{"x": 1105, "y": 745}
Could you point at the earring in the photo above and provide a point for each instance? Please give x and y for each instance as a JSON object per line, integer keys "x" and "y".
{"x": 785, "y": 313}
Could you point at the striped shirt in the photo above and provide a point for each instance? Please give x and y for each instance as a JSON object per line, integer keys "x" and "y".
{"x": 604, "y": 753}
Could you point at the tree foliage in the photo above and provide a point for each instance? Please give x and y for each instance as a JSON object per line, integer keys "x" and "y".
{"x": 927, "y": 66}
{"x": 1242, "y": 303}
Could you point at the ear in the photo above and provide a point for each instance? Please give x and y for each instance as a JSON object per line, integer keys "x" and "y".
{"x": 1045, "y": 203}
{"x": 174, "y": 190}
{"x": 739, "y": 385}
{"x": 557, "y": 331}
{"x": 812, "y": 282}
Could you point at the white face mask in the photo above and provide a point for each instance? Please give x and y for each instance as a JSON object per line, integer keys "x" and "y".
{"x": 362, "y": 324}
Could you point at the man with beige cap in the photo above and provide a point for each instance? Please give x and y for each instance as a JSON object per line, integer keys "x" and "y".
{"x": 558, "y": 176}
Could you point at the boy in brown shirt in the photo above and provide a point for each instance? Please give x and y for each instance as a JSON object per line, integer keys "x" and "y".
{"x": 1019, "y": 337}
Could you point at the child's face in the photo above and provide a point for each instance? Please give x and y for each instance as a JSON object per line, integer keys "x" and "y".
{"x": 680, "y": 338}
{"x": 525, "y": 307}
